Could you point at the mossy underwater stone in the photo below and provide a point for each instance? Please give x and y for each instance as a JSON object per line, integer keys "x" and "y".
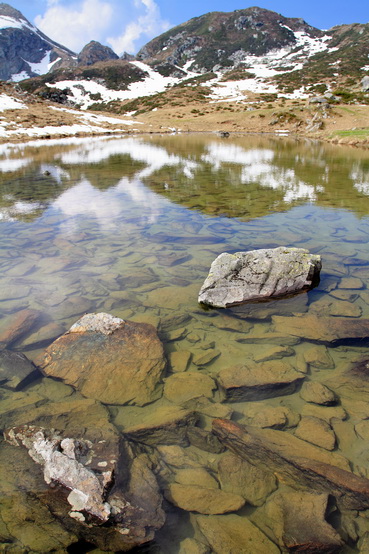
{"x": 193, "y": 498}
{"x": 111, "y": 360}
{"x": 259, "y": 274}
{"x": 258, "y": 381}
{"x": 232, "y": 533}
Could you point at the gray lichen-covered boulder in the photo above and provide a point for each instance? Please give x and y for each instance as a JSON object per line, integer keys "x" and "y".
{"x": 259, "y": 274}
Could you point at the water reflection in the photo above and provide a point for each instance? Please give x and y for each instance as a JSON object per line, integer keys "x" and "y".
{"x": 107, "y": 208}
{"x": 234, "y": 178}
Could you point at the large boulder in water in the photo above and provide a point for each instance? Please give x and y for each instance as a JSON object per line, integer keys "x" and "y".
{"x": 259, "y": 274}
{"x": 111, "y": 360}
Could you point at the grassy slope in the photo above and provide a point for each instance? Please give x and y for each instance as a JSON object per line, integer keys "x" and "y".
{"x": 188, "y": 109}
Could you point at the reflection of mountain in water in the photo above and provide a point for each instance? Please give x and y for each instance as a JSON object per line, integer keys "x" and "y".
{"x": 245, "y": 177}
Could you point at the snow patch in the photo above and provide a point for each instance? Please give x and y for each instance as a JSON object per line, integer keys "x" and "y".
{"x": 7, "y": 22}
{"x": 10, "y": 103}
{"x": 16, "y": 77}
{"x": 41, "y": 67}
{"x": 96, "y": 118}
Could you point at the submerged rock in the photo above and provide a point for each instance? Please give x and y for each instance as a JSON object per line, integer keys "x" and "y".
{"x": 15, "y": 369}
{"x": 194, "y": 498}
{"x": 181, "y": 387}
{"x": 61, "y": 460}
{"x": 317, "y": 393}
{"x": 297, "y": 462}
{"x": 239, "y": 476}
{"x": 17, "y": 325}
{"x": 258, "y": 381}
{"x": 317, "y": 431}
{"x": 297, "y": 521}
{"x": 226, "y": 534}
{"x": 319, "y": 357}
{"x": 105, "y": 496}
{"x": 322, "y": 328}
{"x": 258, "y": 274}
{"x": 167, "y": 425}
{"x": 111, "y": 360}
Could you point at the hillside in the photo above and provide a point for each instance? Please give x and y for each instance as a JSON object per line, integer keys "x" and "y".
{"x": 219, "y": 40}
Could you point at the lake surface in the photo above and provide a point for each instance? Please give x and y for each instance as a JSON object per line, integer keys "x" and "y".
{"x": 130, "y": 226}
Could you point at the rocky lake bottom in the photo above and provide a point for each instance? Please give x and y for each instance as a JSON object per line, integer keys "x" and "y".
{"x": 228, "y": 430}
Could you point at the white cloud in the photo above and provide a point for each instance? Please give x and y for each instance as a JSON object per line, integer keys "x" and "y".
{"x": 74, "y": 26}
{"x": 148, "y": 24}
{"x": 123, "y": 24}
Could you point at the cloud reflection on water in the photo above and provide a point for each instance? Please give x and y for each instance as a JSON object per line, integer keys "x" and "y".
{"x": 124, "y": 167}
{"x": 108, "y": 207}
{"x": 258, "y": 168}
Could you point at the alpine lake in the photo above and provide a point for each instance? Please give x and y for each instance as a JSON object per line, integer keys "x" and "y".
{"x": 129, "y": 226}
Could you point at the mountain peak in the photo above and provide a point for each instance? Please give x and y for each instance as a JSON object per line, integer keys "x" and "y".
{"x": 8, "y": 11}
{"x": 95, "y": 52}
{"x": 218, "y": 40}
{"x": 24, "y": 50}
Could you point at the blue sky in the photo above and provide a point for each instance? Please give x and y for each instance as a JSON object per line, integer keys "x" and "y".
{"x": 125, "y": 25}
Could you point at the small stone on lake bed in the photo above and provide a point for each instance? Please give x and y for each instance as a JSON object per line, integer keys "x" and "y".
{"x": 317, "y": 393}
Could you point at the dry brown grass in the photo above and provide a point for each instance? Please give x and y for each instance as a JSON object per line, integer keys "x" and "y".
{"x": 186, "y": 110}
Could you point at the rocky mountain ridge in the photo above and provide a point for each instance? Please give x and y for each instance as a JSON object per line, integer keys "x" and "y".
{"x": 25, "y": 50}
{"x": 224, "y": 56}
{"x": 219, "y": 40}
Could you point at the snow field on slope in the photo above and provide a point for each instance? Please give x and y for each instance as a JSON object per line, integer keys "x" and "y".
{"x": 81, "y": 90}
{"x": 264, "y": 67}
{"x": 9, "y": 103}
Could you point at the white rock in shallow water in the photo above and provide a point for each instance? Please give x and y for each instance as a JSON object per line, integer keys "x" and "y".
{"x": 87, "y": 489}
{"x": 258, "y": 274}
{"x": 99, "y": 323}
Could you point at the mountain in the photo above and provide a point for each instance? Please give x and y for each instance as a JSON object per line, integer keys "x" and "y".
{"x": 95, "y": 52}
{"x": 223, "y": 57}
{"x": 342, "y": 65}
{"x": 24, "y": 50}
{"x": 219, "y": 40}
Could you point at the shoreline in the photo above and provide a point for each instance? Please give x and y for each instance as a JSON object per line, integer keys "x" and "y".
{"x": 24, "y": 118}
{"x": 121, "y": 133}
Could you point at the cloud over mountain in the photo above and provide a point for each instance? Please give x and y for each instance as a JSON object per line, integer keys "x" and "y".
{"x": 119, "y": 24}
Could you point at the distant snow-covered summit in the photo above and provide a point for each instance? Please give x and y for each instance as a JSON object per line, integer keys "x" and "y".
{"x": 25, "y": 50}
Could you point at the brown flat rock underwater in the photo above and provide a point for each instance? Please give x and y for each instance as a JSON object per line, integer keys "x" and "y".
{"x": 322, "y": 328}
{"x": 257, "y": 381}
{"x": 195, "y": 498}
{"x": 297, "y": 521}
{"x": 297, "y": 462}
{"x": 15, "y": 326}
{"x": 124, "y": 366}
{"x": 231, "y": 533}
